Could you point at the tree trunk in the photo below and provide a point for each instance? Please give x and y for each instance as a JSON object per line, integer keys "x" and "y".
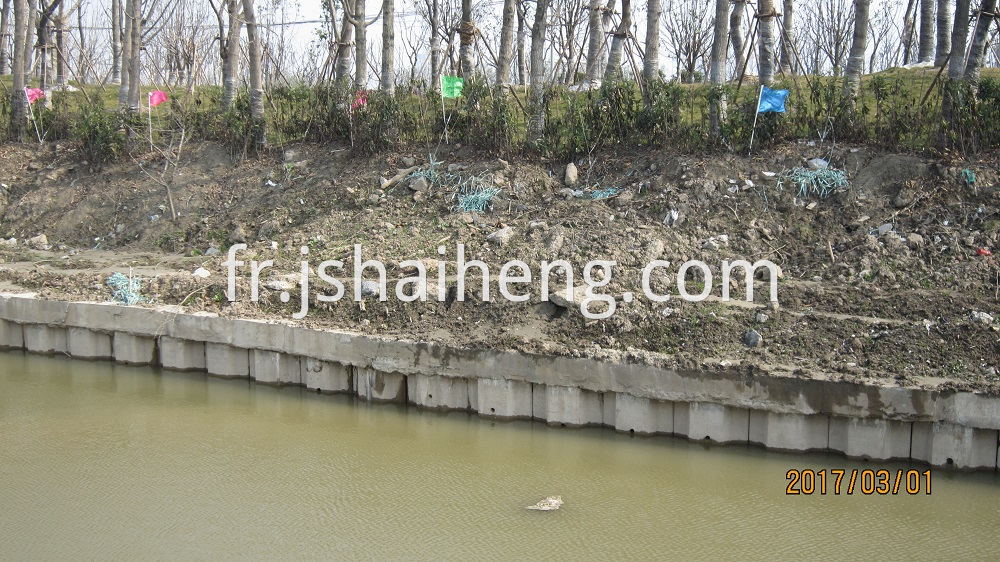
{"x": 231, "y": 54}
{"x": 506, "y": 43}
{"x": 959, "y": 40}
{"x": 651, "y": 58}
{"x": 256, "y": 75}
{"x": 388, "y": 78}
{"x": 18, "y": 104}
{"x": 717, "y": 73}
{"x": 4, "y": 25}
{"x": 788, "y": 30}
{"x": 360, "y": 45}
{"x": 82, "y": 53}
{"x": 466, "y": 37}
{"x": 135, "y": 75}
{"x": 979, "y": 39}
{"x": 42, "y": 32}
{"x": 943, "y": 47}
{"x": 621, "y": 34}
{"x": 61, "y": 48}
{"x": 766, "y": 57}
{"x": 116, "y": 41}
{"x": 344, "y": 50}
{"x": 522, "y": 69}
{"x": 859, "y": 44}
{"x": 126, "y": 55}
{"x": 925, "y": 53}
{"x": 595, "y": 26}
{"x": 736, "y": 33}
{"x": 435, "y": 18}
{"x": 29, "y": 37}
{"x": 536, "y": 123}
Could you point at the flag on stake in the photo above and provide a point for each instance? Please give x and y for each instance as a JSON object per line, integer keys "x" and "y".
{"x": 33, "y": 95}
{"x": 451, "y": 86}
{"x": 772, "y": 101}
{"x": 157, "y": 97}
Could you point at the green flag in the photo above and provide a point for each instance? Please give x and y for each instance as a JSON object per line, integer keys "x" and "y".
{"x": 451, "y": 86}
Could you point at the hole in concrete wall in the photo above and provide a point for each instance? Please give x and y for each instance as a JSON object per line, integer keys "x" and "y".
{"x": 631, "y": 432}
{"x": 493, "y": 410}
{"x": 562, "y": 425}
{"x": 319, "y": 391}
{"x": 949, "y": 461}
{"x": 708, "y": 438}
{"x": 430, "y": 396}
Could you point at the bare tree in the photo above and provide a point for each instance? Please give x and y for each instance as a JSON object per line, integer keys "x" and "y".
{"x": 736, "y": 33}
{"x": 979, "y": 40}
{"x": 569, "y": 17}
{"x": 595, "y": 40}
{"x": 620, "y": 36}
{"x": 859, "y": 45}
{"x": 959, "y": 40}
{"x": 18, "y": 108}
{"x": 135, "y": 78}
{"x": 720, "y": 40}
{"x": 909, "y": 30}
{"x": 467, "y": 36}
{"x": 687, "y": 26}
{"x": 536, "y": 123}
{"x": 256, "y": 79}
{"x": 506, "y": 42}
{"x": 926, "y": 50}
{"x": 522, "y": 33}
{"x": 387, "y": 81}
{"x": 4, "y": 26}
{"x": 829, "y": 25}
{"x": 765, "y": 60}
{"x": 943, "y": 48}
{"x": 230, "y": 22}
{"x": 651, "y": 58}
{"x": 116, "y": 41}
{"x": 787, "y": 32}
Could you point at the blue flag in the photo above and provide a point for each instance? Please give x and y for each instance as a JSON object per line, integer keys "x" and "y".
{"x": 772, "y": 100}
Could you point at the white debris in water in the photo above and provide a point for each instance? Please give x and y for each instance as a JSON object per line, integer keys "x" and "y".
{"x": 550, "y": 503}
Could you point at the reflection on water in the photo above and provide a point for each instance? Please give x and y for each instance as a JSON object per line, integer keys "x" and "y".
{"x": 105, "y": 461}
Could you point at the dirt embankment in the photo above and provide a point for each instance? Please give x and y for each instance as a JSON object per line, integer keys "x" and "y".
{"x": 885, "y": 278}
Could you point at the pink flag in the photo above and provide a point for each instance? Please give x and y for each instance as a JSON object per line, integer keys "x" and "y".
{"x": 157, "y": 97}
{"x": 33, "y": 95}
{"x": 360, "y": 100}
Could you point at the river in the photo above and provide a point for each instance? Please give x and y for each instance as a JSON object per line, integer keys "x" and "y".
{"x": 104, "y": 461}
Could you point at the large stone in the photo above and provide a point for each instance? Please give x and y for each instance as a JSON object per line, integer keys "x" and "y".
{"x": 572, "y": 176}
{"x": 789, "y": 432}
{"x": 325, "y": 376}
{"x": 504, "y": 398}
{"x": 943, "y": 443}
{"x": 379, "y": 386}
{"x": 227, "y": 361}
{"x": 274, "y": 367}
{"x": 88, "y": 344}
{"x": 134, "y": 350}
{"x": 867, "y": 438}
{"x": 643, "y": 415}
{"x": 432, "y": 391}
{"x": 182, "y": 355}
{"x": 711, "y": 422}
{"x": 39, "y": 338}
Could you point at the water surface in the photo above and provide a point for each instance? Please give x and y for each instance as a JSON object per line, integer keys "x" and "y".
{"x": 111, "y": 462}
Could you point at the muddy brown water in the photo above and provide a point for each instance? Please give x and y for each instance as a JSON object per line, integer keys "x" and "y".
{"x": 101, "y": 461}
